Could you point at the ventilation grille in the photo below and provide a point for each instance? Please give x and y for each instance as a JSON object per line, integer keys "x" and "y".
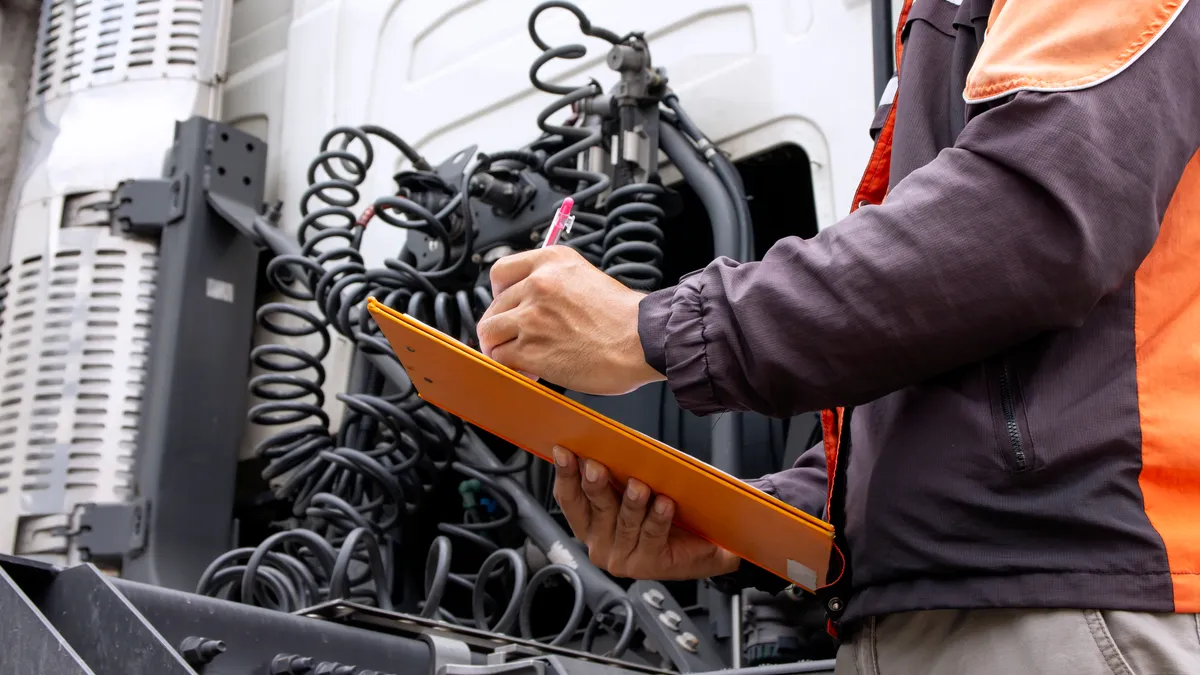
{"x": 83, "y": 43}
{"x": 74, "y": 330}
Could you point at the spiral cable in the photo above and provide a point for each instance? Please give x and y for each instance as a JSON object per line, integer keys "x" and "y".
{"x": 350, "y": 491}
{"x": 633, "y": 238}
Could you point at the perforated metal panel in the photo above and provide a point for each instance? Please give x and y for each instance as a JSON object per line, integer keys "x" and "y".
{"x": 110, "y": 79}
{"x": 72, "y": 363}
{"x": 84, "y": 43}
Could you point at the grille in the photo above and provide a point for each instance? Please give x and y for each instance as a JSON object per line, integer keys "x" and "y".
{"x": 74, "y": 329}
{"x": 84, "y": 43}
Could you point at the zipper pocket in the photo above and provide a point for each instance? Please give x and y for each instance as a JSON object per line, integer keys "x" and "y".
{"x": 1008, "y": 404}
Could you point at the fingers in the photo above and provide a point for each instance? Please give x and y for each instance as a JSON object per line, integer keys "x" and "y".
{"x": 497, "y": 330}
{"x": 499, "y": 322}
{"x": 629, "y": 524}
{"x": 510, "y": 354}
{"x": 604, "y": 507}
{"x": 513, "y": 268}
{"x": 656, "y": 528}
{"x": 569, "y": 493}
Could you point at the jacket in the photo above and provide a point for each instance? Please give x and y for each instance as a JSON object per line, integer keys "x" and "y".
{"x": 1012, "y": 309}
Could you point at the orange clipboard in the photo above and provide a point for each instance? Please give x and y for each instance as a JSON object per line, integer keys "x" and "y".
{"x": 714, "y": 505}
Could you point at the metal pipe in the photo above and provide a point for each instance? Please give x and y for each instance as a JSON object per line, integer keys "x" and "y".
{"x": 883, "y": 44}
{"x": 708, "y": 186}
{"x": 824, "y": 666}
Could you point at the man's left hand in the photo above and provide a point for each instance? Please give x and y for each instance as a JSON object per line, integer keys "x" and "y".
{"x": 557, "y": 317}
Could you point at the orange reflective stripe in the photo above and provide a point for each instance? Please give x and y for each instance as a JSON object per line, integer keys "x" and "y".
{"x": 1166, "y": 323}
{"x": 872, "y": 188}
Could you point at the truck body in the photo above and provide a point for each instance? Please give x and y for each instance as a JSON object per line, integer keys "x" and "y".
{"x": 124, "y": 436}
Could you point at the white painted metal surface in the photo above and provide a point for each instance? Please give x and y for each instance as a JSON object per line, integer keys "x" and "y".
{"x": 109, "y": 81}
{"x": 445, "y": 74}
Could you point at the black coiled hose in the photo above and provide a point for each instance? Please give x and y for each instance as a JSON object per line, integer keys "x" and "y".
{"x": 632, "y": 236}
{"x": 353, "y": 490}
{"x": 489, "y": 613}
{"x": 350, "y": 491}
{"x": 627, "y": 243}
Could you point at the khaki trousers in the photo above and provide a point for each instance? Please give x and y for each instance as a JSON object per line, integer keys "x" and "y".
{"x": 1024, "y": 642}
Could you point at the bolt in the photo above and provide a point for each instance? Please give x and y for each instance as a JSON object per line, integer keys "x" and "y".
{"x": 654, "y": 598}
{"x": 290, "y": 664}
{"x": 670, "y": 619}
{"x": 476, "y": 258}
{"x": 198, "y": 651}
{"x": 688, "y": 641}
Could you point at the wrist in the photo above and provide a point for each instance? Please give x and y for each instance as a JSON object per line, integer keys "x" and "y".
{"x": 631, "y": 352}
{"x": 653, "y": 311}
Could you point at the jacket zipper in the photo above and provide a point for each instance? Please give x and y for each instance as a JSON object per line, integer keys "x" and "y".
{"x": 1008, "y": 403}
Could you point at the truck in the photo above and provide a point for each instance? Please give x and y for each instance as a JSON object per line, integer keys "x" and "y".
{"x": 206, "y": 443}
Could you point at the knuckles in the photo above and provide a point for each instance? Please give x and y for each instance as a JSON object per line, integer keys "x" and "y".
{"x": 542, "y": 283}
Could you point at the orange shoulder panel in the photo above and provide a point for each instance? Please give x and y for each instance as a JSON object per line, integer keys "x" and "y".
{"x": 1063, "y": 45}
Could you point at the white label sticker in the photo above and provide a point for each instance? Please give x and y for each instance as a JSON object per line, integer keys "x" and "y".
{"x": 219, "y": 290}
{"x": 801, "y": 575}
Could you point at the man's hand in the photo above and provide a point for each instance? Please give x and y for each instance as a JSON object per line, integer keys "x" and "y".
{"x": 631, "y": 535}
{"x": 557, "y": 317}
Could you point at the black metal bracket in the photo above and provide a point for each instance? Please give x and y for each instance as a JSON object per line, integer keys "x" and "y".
{"x": 77, "y": 621}
{"x": 492, "y": 647}
{"x": 671, "y": 631}
{"x": 145, "y": 206}
{"x": 194, "y": 398}
{"x": 69, "y": 620}
{"x": 32, "y": 644}
{"x": 109, "y": 532}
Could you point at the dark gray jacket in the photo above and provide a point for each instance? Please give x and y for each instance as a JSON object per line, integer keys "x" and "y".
{"x": 1017, "y": 324}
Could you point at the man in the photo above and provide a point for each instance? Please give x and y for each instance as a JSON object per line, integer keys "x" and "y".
{"x": 1005, "y": 348}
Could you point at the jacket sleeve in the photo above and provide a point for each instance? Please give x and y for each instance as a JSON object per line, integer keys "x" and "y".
{"x": 1047, "y": 202}
{"x": 802, "y": 486}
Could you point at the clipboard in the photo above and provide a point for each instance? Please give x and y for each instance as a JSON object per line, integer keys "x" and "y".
{"x": 708, "y": 502}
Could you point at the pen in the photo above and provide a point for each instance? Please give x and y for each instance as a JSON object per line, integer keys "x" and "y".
{"x": 562, "y": 223}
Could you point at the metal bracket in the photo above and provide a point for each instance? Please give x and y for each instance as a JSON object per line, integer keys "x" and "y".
{"x": 671, "y": 630}
{"x": 90, "y": 613}
{"x": 509, "y": 653}
{"x": 444, "y": 652}
{"x": 145, "y": 206}
{"x": 31, "y": 640}
{"x": 541, "y": 665}
{"x": 109, "y": 532}
{"x": 479, "y": 641}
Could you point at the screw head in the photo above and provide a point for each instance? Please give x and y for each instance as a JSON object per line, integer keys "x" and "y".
{"x": 688, "y": 641}
{"x": 653, "y": 598}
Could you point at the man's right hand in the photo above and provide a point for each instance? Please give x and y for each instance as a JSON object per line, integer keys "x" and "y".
{"x": 631, "y": 535}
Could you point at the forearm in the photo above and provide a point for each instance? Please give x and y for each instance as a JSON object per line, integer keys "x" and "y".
{"x": 995, "y": 241}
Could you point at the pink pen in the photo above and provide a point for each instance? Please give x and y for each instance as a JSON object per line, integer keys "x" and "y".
{"x": 562, "y": 223}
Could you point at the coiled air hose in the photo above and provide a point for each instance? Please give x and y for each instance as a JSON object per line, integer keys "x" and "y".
{"x": 354, "y": 491}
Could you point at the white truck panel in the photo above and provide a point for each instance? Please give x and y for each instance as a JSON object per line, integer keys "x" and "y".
{"x": 446, "y": 74}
